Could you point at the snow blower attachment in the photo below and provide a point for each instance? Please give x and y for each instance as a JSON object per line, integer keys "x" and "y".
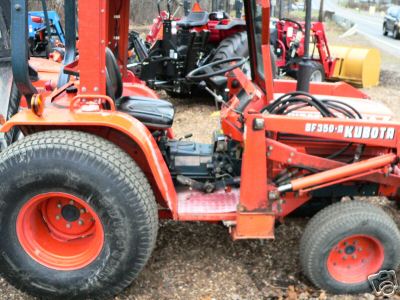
{"x": 358, "y": 66}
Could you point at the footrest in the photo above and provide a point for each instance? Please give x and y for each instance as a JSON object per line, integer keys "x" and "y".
{"x": 254, "y": 226}
{"x": 220, "y": 205}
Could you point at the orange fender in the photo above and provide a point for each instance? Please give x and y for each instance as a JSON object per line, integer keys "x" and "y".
{"x": 124, "y": 130}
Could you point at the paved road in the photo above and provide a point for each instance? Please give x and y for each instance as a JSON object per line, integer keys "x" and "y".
{"x": 369, "y": 26}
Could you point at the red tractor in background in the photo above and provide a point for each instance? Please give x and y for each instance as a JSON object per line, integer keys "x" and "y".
{"x": 176, "y": 46}
{"x": 288, "y": 40}
{"x": 359, "y": 66}
{"x": 98, "y": 164}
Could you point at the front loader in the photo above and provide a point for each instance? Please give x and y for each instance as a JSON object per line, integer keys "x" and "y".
{"x": 82, "y": 192}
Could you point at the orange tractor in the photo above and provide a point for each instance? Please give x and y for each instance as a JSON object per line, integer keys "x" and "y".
{"x": 82, "y": 192}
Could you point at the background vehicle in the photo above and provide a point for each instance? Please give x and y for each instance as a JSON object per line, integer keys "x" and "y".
{"x": 45, "y": 33}
{"x": 99, "y": 164}
{"x": 174, "y": 47}
{"x": 391, "y": 23}
{"x": 358, "y": 66}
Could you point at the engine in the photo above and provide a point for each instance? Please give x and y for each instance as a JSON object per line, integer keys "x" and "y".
{"x": 204, "y": 167}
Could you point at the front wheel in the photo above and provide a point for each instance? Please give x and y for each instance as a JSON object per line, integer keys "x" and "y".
{"x": 384, "y": 30}
{"x": 396, "y": 33}
{"x": 346, "y": 243}
{"x": 78, "y": 215}
{"x": 318, "y": 73}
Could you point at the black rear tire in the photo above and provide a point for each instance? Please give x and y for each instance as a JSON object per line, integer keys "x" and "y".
{"x": 338, "y": 222}
{"x": 237, "y": 46}
{"x": 103, "y": 176}
{"x": 234, "y": 46}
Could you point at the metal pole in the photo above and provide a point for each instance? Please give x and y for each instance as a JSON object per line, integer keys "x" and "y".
{"x": 46, "y": 18}
{"x": 214, "y": 5}
{"x": 305, "y": 66}
{"x": 321, "y": 11}
{"x": 238, "y": 8}
{"x": 187, "y": 6}
{"x": 307, "y": 28}
{"x": 280, "y": 9}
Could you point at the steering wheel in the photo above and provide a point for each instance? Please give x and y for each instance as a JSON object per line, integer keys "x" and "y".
{"x": 216, "y": 68}
{"x": 294, "y": 22}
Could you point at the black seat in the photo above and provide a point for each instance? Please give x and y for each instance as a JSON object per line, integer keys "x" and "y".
{"x": 154, "y": 113}
{"x": 194, "y": 19}
{"x": 273, "y": 36}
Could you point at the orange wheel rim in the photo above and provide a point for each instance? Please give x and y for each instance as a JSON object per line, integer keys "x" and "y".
{"x": 60, "y": 231}
{"x": 354, "y": 258}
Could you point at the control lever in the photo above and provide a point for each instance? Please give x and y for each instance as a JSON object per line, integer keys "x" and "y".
{"x": 217, "y": 98}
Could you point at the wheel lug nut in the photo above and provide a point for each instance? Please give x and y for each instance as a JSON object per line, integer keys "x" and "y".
{"x": 68, "y": 225}
{"x": 71, "y": 202}
{"x": 80, "y": 222}
{"x": 354, "y": 256}
{"x": 82, "y": 210}
{"x": 59, "y": 205}
{"x": 58, "y": 217}
{"x": 360, "y": 249}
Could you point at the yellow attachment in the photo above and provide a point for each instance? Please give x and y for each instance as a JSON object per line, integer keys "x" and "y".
{"x": 359, "y": 66}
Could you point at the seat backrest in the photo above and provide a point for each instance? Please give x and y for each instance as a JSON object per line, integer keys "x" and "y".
{"x": 114, "y": 77}
{"x": 194, "y": 19}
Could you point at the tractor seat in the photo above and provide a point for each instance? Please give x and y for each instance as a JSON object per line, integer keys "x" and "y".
{"x": 194, "y": 19}
{"x": 154, "y": 113}
{"x": 273, "y": 36}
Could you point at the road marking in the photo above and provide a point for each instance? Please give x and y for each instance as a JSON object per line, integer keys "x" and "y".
{"x": 353, "y": 30}
{"x": 380, "y": 40}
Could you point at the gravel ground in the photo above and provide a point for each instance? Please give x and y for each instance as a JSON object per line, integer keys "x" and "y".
{"x": 197, "y": 261}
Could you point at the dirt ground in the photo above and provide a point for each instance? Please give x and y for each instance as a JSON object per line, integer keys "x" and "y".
{"x": 196, "y": 261}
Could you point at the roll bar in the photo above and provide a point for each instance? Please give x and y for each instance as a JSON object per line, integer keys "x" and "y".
{"x": 70, "y": 39}
{"x": 19, "y": 48}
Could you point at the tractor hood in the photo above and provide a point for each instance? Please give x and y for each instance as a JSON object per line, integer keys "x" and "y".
{"x": 369, "y": 110}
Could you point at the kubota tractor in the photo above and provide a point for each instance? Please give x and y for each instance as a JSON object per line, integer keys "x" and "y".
{"x": 81, "y": 193}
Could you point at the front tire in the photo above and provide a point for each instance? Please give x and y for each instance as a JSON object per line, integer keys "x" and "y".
{"x": 347, "y": 242}
{"x": 384, "y": 30}
{"x": 318, "y": 72}
{"x": 78, "y": 215}
{"x": 396, "y": 33}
